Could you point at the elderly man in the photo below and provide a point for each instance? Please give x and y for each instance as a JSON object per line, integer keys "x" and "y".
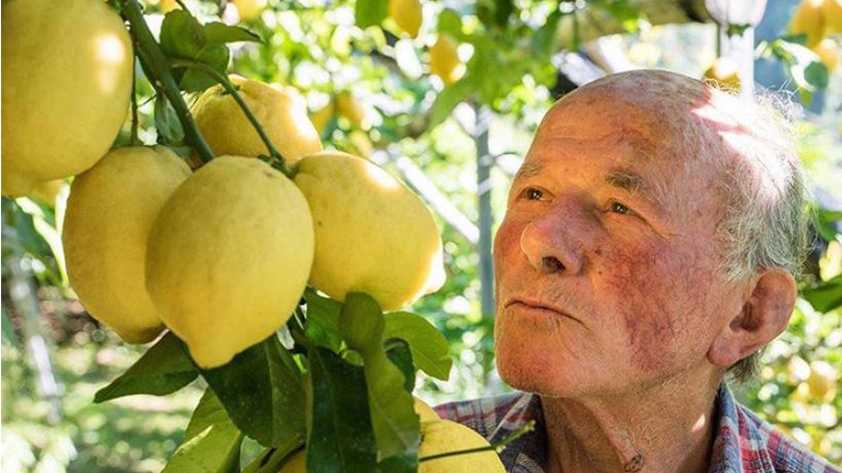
{"x": 648, "y": 250}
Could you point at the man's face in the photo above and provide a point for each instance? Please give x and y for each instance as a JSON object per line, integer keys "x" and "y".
{"x": 611, "y": 224}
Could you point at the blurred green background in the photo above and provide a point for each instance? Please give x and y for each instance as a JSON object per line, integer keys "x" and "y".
{"x": 55, "y": 357}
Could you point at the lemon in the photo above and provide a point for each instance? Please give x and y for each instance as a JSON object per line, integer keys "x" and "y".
{"x": 809, "y": 19}
{"x": 48, "y": 191}
{"x": 822, "y": 381}
{"x": 832, "y": 12}
{"x": 296, "y": 463}
{"x": 446, "y": 436}
{"x": 360, "y": 143}
{"x": 407, "y": 14}
{"x": 229, "y": 256}
{"x": 424, "y": 411}
{"x": 828, "y": 52}
{"x": 348, "y": 107}
{"x": 322, "y": 117}
{"x": 67, "y": 76}
{"x": 249, "y": 9}
{"x": 109, "y": 215}
{"x": 444, "y": 59}
{"x": 723, "y": 72}
{"x": 280, "y": 110}
{"x": 167, "y": 6}
{"x": 373, "y": 235}
{"x": 14, "y": 183}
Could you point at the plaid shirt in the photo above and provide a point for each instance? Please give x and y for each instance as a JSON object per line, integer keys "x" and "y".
{"x": 744, "y": 443}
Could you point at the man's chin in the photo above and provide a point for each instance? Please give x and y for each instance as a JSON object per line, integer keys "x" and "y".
{"x": 526, "y": 371}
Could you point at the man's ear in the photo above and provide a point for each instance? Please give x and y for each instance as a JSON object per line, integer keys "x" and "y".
{"x": 763, "y": 316}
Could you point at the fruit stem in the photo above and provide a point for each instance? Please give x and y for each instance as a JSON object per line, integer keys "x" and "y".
{"x": 157, "y": 69}
{"x": 134, "y": 139}
{"x": 497, "y": 446}
{"x": 222, "y": 79}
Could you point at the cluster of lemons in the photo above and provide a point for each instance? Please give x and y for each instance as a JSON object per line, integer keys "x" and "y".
{"x": 220, "y": 255}
{"x": 817, "y": 19}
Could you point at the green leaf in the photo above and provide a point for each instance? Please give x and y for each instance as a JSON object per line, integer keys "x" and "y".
{"x": 220, "y": 33}
{"x": 341, "y": 439}
{"x": 21, "y": 235}
{"x": 371, "y": 12}
{"x": 447, "y": 100}
{"x": 361, "y": 323}
{"x": 825, "y": 296}
{"x": 166, "y": 122}
{"x": 450, "y": 22}
{"x": 182, "y": 36}
{"x": 163, "y": 369}
{"x": 214, "y": 55}
{"x": 803, "y": 65}
{"x": 263, "y": 392}
{"x": 826, "y": 223}
{"x": 211, "y": 443}
{"x": 429, "y": 347}
{"x": 396, "y": 425}
{"x": 503, "y": 9}
{"x": 816, "y": 75}
{"x": 400, "y": 355}
{"x": 545, "y": 40}
{"x": 322, "y": 324}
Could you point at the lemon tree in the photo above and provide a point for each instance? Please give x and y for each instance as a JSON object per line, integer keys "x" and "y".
{"x": 267, "y": 263}
{"x": 280, "y": 274}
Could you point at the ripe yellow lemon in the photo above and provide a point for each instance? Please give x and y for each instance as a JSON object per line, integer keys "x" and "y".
{"x": 723, "y": 72}
{"x": 322, "y": 117}
{"x": 828, "y": 52}
{"x": 48, "y": 191}
{"x": 424, "y": 411}
{"x": 832, "y": 12}
{"x": 14, "y": 183}
{"x": 110, "y": 213}
{"x": 249, "y": 9}
{"x": 296, "y": 464}
{"x": 280, "y": 110}
{"x": 822, "y": 381}
{"x": 67, "y": 74}
{"x": 350, "y": 108}
{"x": 229, "y": 256}
{"x": 809, "y": 19}
{"x": 373, "y": 234}
{"x": 444, "y": 59}
{"x": 408, "y": 15}
{"x": 446, "y": 436}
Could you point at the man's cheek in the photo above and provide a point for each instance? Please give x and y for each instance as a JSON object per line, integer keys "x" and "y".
{"x": 648, "y": 291}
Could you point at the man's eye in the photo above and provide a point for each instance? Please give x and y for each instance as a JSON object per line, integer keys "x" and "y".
{"x": 619, "y": 208}
{"x": 532, "y": 193}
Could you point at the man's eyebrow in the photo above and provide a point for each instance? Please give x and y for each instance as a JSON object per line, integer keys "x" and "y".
{"x": 528, "y": 170}
{"x": 634, "y": 184}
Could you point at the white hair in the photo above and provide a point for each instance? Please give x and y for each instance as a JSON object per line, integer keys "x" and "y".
{"x": 764, "y": 222}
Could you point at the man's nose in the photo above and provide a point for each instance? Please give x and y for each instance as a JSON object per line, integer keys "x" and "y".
{"x": 551, "y": 242}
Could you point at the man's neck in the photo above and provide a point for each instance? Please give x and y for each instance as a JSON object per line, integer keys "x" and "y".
{"x": 664, "y": 429}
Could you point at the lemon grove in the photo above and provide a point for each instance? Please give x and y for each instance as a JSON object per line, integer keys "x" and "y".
{"x": 274, "y": 270}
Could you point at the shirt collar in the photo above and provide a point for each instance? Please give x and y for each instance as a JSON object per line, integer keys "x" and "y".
{"x": 528, "y": 453}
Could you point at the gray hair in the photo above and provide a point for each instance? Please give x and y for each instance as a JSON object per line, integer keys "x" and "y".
{"x": 764, "y": 222}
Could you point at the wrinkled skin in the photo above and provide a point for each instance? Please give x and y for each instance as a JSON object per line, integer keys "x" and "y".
{"x": 643, "y": 324}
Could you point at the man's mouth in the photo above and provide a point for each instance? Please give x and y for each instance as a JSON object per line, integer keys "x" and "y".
{"x": 536, "y": 304}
